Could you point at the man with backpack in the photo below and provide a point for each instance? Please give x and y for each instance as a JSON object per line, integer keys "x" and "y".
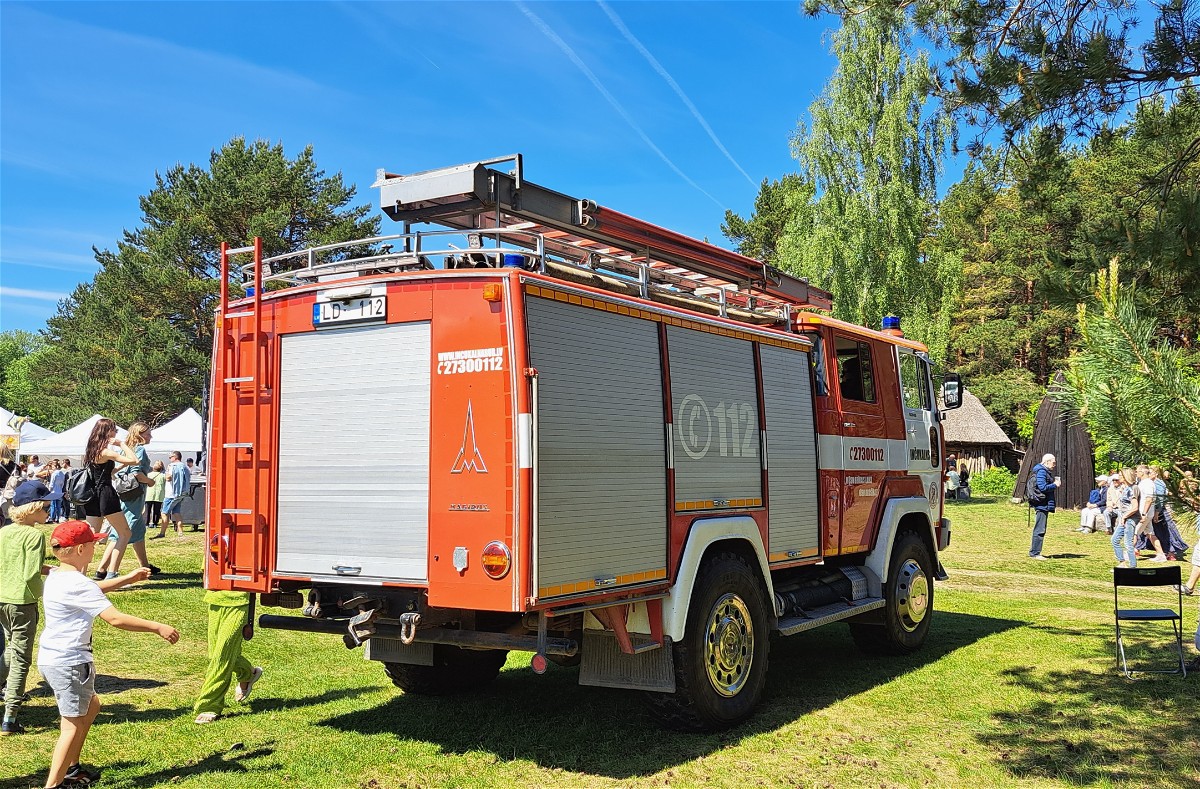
{"x": 1039, "y": 492}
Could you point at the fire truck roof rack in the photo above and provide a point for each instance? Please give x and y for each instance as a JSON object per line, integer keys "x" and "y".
{"x": 535, "y": 228}
{"x": 474, "y": 195}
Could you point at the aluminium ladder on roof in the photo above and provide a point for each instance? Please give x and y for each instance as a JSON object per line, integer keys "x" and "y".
{"x": 474, "y": 196}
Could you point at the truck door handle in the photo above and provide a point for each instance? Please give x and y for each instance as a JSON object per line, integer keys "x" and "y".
{"x": 342, "y": 569}
{"x": 849, "y": 424}
{"x": 912, "y": 431}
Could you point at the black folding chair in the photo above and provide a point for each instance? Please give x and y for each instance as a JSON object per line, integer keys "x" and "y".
{"x": 1149, "y": 576}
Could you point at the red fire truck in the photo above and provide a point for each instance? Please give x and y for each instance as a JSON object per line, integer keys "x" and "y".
{"x": 544, "y": 425}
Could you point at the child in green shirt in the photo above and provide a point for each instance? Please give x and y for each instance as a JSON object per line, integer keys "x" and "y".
{"x": 23, "y": 551}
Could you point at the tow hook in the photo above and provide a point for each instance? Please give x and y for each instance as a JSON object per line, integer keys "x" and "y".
{"x": 360, "y": 627}
{"x": 408, "y": 627}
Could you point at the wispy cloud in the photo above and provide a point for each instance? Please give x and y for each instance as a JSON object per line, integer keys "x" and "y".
{"x": 369, "y": 23}
{"x": 36, "y": 295}
{"x": 148, "y": 49}
{"x": 662, "y": 72}
{"x": 48, "y": 259}
{"x": 616, "y": 105}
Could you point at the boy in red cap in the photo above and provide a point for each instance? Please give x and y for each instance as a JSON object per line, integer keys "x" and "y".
{"x": 71, "y": 601}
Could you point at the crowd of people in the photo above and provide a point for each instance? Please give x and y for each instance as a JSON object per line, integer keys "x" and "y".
{"x": 34, "y": 496}
{"x": 1130, "y": 505}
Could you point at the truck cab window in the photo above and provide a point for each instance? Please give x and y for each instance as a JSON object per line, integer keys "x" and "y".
{"x": 856, "y": 376}
{"x": 816, "y": 359}
{"x": 913, "y": 382}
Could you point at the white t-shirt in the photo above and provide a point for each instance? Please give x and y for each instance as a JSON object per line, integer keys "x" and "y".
{"x": 1146, "y": 493}
{"x": 72, "y": 601}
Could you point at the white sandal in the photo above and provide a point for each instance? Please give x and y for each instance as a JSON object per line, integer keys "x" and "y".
{"x": 206, "y": 717}
{"x": 242, "y": 695}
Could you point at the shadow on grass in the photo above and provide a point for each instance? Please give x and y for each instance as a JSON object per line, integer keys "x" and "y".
{"x": 555, "y": 723}
{"x": 1078, "y": 729}
{"x": 228, "y": 761}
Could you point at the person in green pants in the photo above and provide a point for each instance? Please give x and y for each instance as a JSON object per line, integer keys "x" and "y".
{"x": 230, "y": 623}
{"x": 22, "y": 567}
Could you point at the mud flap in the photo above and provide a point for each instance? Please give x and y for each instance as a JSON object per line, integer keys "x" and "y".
{"x": 604, "y": 665}
{"x": 393, "y": 650}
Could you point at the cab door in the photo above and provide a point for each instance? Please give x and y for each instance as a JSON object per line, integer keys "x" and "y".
{"x": 921, "y": 426}
{"x": 865, "y": 449}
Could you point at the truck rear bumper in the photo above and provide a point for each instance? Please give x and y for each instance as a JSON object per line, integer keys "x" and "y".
{"x": 470, "y": 639}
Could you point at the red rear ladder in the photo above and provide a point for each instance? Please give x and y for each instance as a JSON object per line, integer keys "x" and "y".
{"x": 238, "y": 463}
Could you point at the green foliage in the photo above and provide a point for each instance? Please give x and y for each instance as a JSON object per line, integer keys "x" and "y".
{"x": 856, "y": 218}
{"x": 1033, "y": 227}
{"x": 782, "y": 216}
{"x": 14, "y": 346}
{"x": 1027, "y": 421}
{"x": 1133, "y": 389}
{"x": 1070, "y": 64}
{"x": 995, "y": 481}
{"x": 135, "y": 342}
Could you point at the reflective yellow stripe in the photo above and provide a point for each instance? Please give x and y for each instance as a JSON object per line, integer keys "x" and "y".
{"x": 786, "y": 555}
{"x": 708, "y": 504}
{"x": 590, "y": 584}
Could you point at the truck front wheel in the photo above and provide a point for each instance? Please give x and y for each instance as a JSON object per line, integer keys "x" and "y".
{"x": 454, "y": 670}
{"x": 721, "y": 663}
{"x": 909, "y": 596}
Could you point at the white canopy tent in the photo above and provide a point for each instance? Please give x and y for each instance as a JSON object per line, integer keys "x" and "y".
{"x": 184, "y": 433}
{"x": 67, "y": 444}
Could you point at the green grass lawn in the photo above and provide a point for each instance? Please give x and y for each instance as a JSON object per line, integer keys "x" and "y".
{"x": 1016, "y": 686}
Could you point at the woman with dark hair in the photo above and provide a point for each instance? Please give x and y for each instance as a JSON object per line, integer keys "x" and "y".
{"x": 100, "y": 458}
{"x": 133, "y": 509}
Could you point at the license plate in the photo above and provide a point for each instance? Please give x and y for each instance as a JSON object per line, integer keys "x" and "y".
{"x": 367, "y": 309}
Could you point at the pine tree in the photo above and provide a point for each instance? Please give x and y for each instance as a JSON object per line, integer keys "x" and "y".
{"x": 135, "y": 342}
{"x": 1134, "y": 389}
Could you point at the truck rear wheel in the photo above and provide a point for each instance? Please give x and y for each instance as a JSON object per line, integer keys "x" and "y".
{"x": 721, "y": 663}
{"x": 909, "y": 609}
{"x": 454, "y": 670}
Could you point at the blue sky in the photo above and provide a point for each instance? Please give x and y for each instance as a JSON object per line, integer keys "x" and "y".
{"x": 671, "y": 112}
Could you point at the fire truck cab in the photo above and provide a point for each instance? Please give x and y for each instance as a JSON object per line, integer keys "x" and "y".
{"x": 550, "y": 427}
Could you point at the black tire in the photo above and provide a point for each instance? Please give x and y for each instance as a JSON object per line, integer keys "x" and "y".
{"x": 454, "y": 670}
{"x": 909, "y": 609}
{"x": 721, "y": 663}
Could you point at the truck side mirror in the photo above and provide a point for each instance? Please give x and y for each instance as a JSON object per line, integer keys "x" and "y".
{"x": 951, "y": 391}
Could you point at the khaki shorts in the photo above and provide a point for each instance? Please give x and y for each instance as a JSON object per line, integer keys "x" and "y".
{"x": 73, "y": 686}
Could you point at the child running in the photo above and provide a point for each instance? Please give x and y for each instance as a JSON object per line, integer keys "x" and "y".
{"x": 72, "y": 600}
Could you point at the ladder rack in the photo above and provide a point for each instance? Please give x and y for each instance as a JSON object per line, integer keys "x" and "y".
{"x": 473, "y": 196}
{"x": 491, "y": 218}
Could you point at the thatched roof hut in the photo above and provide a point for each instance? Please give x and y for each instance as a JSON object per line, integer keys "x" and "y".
{"x": 1058, "y": 432}
{"x": 974, "y": 438}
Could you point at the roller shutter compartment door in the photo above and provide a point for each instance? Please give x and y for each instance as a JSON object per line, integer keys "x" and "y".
{"x": 601, "y": 449}
{"x": 716, "y": 432}
{"x": 354, "y": 452}
{"x": 791, "y": 454}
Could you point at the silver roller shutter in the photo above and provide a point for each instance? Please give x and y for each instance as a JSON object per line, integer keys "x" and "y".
{"x": 716, "y": 430}
{"x": 354, "y": 452}
{"x": 601, "y": 448}
{"x": 791, "y": 453}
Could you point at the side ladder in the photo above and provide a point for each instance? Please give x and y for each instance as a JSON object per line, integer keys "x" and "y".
{"x": 239, "y": 462}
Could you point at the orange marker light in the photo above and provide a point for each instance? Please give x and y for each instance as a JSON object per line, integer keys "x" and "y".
{"x": 496, "y": 560}
{"x": 493, "y": 291}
